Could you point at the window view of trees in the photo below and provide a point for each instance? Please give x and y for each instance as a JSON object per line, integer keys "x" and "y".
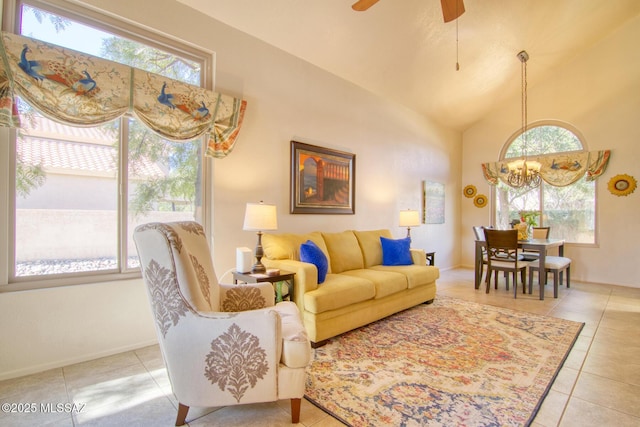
{"x": 68, "y": 179}
{"x": 570, "y": 210}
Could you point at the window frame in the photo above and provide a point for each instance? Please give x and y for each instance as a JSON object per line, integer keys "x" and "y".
{"x": 11, "y": 23}
{"x": 580, "y": 137}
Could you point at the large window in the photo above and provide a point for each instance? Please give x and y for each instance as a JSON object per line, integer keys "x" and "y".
{"x": 569, "y": 211}
{"x": 80, "y": 192}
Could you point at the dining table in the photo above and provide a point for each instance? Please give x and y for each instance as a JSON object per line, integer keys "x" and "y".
{"x": 539, "y": 245}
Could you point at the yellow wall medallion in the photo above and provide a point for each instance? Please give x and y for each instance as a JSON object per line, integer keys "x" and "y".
{"x": 469, "y": 191}
{"x": 622, "y": 185}
{"x": 480, "y": 201}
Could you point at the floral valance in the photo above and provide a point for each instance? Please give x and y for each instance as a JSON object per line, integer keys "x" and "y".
{"x": 560, "y": 169}
{"x": 83, "y": 90}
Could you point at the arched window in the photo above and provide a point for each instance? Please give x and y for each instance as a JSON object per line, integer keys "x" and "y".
{"x": 570, "y": 211}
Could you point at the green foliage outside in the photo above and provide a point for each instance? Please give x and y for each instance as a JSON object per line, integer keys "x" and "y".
{"x": 179, "y": 188}
{"x": 568, "y": 210}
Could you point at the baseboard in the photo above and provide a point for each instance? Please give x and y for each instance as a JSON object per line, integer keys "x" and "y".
{"x": 65, "y": 362}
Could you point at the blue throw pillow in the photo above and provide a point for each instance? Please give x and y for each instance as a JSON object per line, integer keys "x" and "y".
{"x": 311, "y": 253}
{"x": 396, "y": 252}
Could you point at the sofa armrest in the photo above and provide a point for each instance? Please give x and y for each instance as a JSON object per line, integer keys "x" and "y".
{"x": 305, "y": 280}
{"x": 419, "y": 256}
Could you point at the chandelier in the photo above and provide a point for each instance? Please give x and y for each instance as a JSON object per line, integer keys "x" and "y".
{"x": 524, "y": 173}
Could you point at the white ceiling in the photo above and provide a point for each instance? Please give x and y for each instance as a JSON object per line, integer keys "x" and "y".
{"x": 403, "y": 51}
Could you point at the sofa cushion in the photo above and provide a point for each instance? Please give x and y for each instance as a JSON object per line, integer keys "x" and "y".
{"x": 417, "y": 275}
{"x": 370, "y": 246}
{"x": 344, "y": 251}
{"x": 287, "y": 245}
{"x": 386, "y": 282}
{"x": 311, "y": 253}
{"x": 396, "y": 252}
{"x": 338, "y": 290}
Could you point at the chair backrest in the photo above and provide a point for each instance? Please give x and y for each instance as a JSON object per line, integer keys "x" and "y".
{"x": 175, "y": 257}
{"x": 502, "y": 245}
{"x": 478, "y": 230}
{"x": 541, "y": 232}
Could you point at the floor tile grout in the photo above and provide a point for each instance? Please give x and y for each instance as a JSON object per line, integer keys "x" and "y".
{"x": 588, "y": 302}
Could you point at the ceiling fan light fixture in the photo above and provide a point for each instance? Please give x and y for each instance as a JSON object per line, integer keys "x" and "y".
{"x": 451, "y": 9}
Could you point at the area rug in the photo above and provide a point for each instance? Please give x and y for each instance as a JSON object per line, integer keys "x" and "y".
{"x": 451, "y": 363}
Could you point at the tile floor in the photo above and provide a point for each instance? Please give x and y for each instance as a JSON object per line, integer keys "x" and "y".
{"x": 599, "y": 384}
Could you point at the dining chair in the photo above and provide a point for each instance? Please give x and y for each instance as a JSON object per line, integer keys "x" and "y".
{"x": 502, "y": 255}
{"x": 478, "y": 230}
{"x": 552, "y": 264}
{"x": 538, "y": 233}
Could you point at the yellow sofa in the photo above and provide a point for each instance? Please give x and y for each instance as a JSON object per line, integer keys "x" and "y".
{"x": 357, "y": 289}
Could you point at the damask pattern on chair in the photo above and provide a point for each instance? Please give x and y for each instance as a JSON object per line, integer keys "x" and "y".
{"x": 242, "y": 298}
{"x": 203, "y": 279}
{"x": 236, "y": 362}
{"x": 167, "y": 302}
{"x": 192, "y": 227}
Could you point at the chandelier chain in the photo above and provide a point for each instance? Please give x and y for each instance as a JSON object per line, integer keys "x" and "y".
{"x": 523, "y": 172}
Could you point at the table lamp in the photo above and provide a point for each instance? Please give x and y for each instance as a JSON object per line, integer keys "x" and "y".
{"x": 409, "y": 218}
{"x": 260, "y": 217}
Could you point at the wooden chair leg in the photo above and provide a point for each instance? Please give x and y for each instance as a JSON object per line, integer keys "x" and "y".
{"x": 568, "y": 276}
{"x": 489, "y": 273}
{"x": 530, "y": 280}
{"x": 555, "y": 283}
{"x": 182, "y": 414}
{"x": 295, "y": 411}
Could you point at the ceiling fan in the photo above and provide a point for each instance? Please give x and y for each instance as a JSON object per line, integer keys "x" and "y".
{"x": 451, "y": 9}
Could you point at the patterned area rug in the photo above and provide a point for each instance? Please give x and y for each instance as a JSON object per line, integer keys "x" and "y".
{"x": 451, "y": 363}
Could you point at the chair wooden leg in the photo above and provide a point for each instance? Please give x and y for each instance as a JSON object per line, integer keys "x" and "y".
{"x": 295, "y": 411}
{"x": 568, "y": 276}
{"x": 182, "y": 414}
{"x": 488, "y": 281}
{"x": 555, "y": 283}
{"x": 530, "y": 280}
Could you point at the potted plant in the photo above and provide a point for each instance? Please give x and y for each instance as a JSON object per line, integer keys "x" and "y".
{"x": 530, "y": 218}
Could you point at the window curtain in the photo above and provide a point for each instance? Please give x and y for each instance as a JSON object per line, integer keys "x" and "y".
{"x": 82, "y": 90}
{"x": 559, "y": 169}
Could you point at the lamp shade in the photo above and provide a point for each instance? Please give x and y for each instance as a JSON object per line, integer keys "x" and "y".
{"x": 409, "y": 218}
{"x": 260, "y": 217}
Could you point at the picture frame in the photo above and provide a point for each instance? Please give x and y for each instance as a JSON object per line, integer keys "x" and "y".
{"x": 432, "y": 202}
{"x": 322, "y": 180}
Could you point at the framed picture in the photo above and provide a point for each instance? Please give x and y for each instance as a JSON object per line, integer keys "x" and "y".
{"x": 432, "y": 203}
{"x": 322, "y": 180}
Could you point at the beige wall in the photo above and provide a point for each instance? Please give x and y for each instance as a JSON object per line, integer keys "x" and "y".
{"x": 396, "y": 149}
{"x": 598, "y": 93}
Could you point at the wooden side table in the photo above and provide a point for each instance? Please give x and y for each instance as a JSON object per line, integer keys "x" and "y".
{"x": 283, "y": 276}
{"x": 431, "y": 258}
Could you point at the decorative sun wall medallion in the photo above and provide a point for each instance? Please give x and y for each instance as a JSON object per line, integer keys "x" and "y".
{"x": 469, "y": 191}
{"x": 480, "y": 201}
{"x": 622, "y": 185}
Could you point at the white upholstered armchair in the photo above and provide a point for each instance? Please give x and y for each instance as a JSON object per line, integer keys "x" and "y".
{"x": 222, "y": 344}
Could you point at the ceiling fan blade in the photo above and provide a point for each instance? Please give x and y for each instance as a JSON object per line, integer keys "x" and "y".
{"x": 452, "y": 9}
{"x": 362, "y": 5}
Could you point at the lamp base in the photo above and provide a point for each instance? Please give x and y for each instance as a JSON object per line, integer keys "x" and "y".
{"x": 258, "y": 268}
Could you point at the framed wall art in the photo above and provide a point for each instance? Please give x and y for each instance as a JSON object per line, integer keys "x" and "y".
{"x": 432, "y": 202}
{"x": 322, "y": 180}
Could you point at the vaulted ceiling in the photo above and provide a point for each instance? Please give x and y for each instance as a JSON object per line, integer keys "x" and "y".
{"x": 403, "y": 51}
